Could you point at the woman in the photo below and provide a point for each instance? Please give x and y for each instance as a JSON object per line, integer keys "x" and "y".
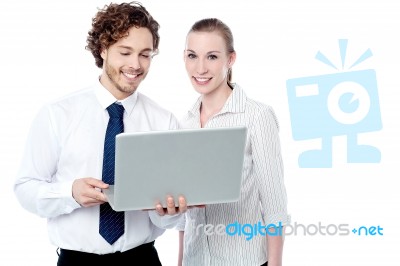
{"x": 209, "y": 56}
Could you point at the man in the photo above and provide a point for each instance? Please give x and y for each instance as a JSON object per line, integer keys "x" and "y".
{"x": 63, "y": 169}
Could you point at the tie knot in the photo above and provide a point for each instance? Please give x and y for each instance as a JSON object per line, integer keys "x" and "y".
{"x": 115, "y": 110}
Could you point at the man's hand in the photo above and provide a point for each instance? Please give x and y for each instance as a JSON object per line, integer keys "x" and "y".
{"x": 87, "y": 191}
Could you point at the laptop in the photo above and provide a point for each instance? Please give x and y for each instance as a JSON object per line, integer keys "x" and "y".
{"x": 205, "y": 165}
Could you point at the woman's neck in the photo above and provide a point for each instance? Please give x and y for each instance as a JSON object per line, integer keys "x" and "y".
{"x": 212, "y": 103}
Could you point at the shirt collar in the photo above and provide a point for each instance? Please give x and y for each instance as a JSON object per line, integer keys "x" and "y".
{"x": 235, "y": 103}
{"x": 105, "y": 98}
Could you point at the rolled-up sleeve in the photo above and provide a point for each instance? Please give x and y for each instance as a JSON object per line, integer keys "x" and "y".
{"x": 268, "y": 167}
{"x": 166, "y": 221}
{"x": 180, "y": 226}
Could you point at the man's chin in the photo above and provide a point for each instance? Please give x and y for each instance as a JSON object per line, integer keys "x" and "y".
{"x": 128, "y": 89}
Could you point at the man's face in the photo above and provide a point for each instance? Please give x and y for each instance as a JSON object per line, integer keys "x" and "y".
{"x": 127, "y": 62}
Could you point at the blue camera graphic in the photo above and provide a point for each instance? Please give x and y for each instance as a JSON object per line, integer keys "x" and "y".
{"x": 325, "y": 106}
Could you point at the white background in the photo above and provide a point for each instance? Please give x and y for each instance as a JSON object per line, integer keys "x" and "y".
{"x": 42, "y": 57}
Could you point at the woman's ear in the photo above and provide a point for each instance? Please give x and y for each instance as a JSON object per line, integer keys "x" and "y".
{"x": 232, "y": 59}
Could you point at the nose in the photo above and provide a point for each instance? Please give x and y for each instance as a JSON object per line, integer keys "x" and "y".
{"x": 201, "y": 67}
{"x": 134, "y": 62}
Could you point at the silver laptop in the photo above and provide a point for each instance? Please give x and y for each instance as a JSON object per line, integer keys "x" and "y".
{"x": 205, "y": 165}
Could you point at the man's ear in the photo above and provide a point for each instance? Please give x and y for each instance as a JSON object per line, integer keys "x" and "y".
{"x": 103, "y": 53}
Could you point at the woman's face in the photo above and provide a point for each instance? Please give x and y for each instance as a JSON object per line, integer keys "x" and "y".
{"x": 207, "y": 61}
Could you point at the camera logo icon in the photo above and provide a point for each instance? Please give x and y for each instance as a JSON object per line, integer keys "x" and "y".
{"x": 325, "y": 106}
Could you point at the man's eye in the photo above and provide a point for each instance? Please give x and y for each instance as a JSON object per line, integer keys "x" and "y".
{"x": 125, "y": 53}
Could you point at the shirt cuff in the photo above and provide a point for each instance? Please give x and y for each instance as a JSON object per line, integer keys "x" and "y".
{"x": 181, "y": 224}
{"x": 66, "y": 194}
{"x": 57, "y": 200}
{"x": 166, "y": 221}
{"x": 277, "y": 219}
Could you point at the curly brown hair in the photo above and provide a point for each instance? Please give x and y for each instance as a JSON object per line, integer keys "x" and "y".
{"x": 113, "y": 22}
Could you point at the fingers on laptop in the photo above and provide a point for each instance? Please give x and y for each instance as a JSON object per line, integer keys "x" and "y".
{"x": 182, "y": 204}
{"x": 171, "y": 208}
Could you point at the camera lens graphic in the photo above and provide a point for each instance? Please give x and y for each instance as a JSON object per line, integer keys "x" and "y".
{"x": 348, "y": 102}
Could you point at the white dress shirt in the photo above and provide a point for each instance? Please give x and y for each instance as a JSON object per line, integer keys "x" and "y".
{"x": 65, "y": 143}
{"x": 262, "y": 197}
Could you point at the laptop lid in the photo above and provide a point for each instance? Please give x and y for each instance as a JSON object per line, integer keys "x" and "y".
{"x": 205, "y": 165}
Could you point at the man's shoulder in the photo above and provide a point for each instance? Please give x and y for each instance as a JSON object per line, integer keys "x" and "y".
{"x": 74, "y": 98}
{"x": 157, "y": 114}
{"x": 149, "y": 103}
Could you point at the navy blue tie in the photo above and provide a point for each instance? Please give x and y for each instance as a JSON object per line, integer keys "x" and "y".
{"x": 111, "y": 225}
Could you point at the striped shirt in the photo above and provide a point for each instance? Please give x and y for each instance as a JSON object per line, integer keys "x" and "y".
{"x": 262, "y": 198}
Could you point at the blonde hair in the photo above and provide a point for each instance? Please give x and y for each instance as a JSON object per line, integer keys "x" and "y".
{"x": 214, "y": 24}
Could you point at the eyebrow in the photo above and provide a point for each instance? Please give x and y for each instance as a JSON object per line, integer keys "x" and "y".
{"x": 210, "y": 52}
{"x": 131, "y": 49}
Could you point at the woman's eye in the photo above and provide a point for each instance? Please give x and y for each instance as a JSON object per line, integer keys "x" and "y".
{"x": 212, "y": 57}
{"x": 191, "y": 56}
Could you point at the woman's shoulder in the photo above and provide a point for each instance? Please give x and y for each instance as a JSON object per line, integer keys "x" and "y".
{"x": 257, "y": 111}
{"x": 250, "y": 103}
{"x": 256, "y": 107}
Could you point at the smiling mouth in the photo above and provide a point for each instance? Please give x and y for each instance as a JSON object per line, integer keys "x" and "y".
{"x": 201, "y": 80}
{"x": 131, "y": 76}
